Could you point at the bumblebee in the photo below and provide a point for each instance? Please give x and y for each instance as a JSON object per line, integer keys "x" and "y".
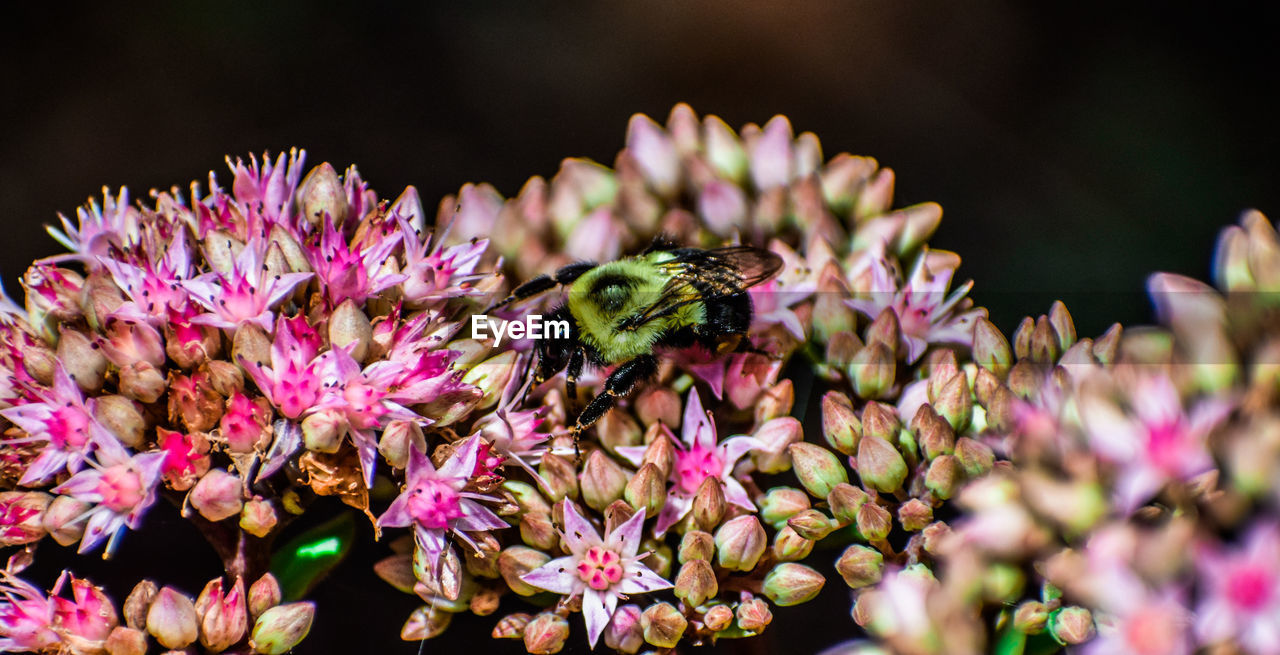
{"x": 621, "y": 312}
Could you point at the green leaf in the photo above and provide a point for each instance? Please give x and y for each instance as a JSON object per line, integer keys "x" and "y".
{"x": 308, "y": 557}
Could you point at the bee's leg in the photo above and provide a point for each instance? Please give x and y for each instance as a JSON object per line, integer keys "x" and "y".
{"x": 571, "y": 373}
{"x": 620, "y": 383}
{"x": 537, "y": 285}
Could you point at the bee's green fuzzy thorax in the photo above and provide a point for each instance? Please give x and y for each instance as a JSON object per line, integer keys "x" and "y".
{"x": 608, "y": 294}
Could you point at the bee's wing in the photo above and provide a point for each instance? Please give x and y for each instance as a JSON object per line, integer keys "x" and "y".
{"x": 701, "y": 275}
{"x": 754, "y": 265}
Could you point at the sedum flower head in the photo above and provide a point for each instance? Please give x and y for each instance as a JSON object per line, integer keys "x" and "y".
{"x": 698, "y": 457}
{"x": 435, "y": 501}
{"x": 601, "y": 570}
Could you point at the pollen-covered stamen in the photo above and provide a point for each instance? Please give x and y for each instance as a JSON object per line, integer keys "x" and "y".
{"x": 600, "y": 568}
{"x": 434, "y": 504}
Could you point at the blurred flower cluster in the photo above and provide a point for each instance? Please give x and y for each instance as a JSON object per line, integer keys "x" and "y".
{"x": 239, "y": 354}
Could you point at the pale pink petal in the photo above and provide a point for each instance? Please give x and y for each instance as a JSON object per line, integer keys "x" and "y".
{"x": 578, "y": 532}
{"x": 625, "y": 539}
{"x": 595, "y": 613}
{"x": 734, "y": 494}
{"x": 637, "y": 579}
{"x": 463, "y": 460}
{"x": 557, "y": 576}
{"x": 675, "y": 509}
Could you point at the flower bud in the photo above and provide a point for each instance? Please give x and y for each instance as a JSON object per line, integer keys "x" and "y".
{"x": 624, "y": 632}
{"x": 1106, "y": 346}
{"x": 258, "y": 517}
{"x": 791, "y": 584}
{"x": 398, "y": 439}
{"x": 349, "y": 328}
{"x": 860, "y": 566}
{"x": 38, "y": 360}
{"x": 22, "y": 516}
{"x": 62, "y": 520}
{"x": 709, "y": 504}
{"x": 321, "y": 197}
{"x": 603, "y": 481}
{"x": 223, "y": 618}
{"x": 873, "y": 370}
{"x": 844, "y": 501}
{"x": 282, "y": 627}
{"x": 811, "y": 524}
{"x": 193, "y": 401}
{"x": 781, "y": 503}
{"x": 491, "y": 377}
{"x": 776, "y": 402}
{"x": 955, "y": 403}
{"x": 934, "y": 433}
{"x": 696, "y": 544}
{"x": 251, "y": 344}
{"x": 881, "y": 420}
{"x": 83, "y": 359}
{"x": 840, "y": 351}
{"x": 663, "y": 625}
{"x": 225, "y": 378}
{"x": 777, "y": 435}
{"x": 884, "y": 330}
{"x": 1072, "y": 625}
{"x": 974, "y": 456}
{"x": 718, "y": 617}
{"x": 754, "y": 615}
{"x": 840, "y": 426}
{"x": 1030, "y": 617}
{"x": 660, "y": 451}
{"x": 696, "y": 582}
{"x": 880, "y": 465}
{"x": 100, "y": 297}
{"x": 944, "y": 476}
{"x": 126, "y": 641}
{"x": 323, "y": 431}
{"x": 264, "y": 594}
{"x": 617, "y": 429}
{"x": 740, "y": 542}
{"x": 831, "y": 316}
{"x": 990, "y": 349}
{"x": 217, "y": 495}
{"x": 426, "y": 622}
{"x": 546, "y": 634}
{"x": 137, "y": 603}
{"x": 560, "y": 476}
{"x": 1045, "y": 343}
{"x": 789, "y": 546}
{"x": 514, "y": 562}
{"x": 647, "y": 490}
{"x": 244, "y": 423}
{"x": 935, "y": 536}
{"x": 142, "y": 382}
{"x": 874, "y": 522}
{"x": 658, "y": 404}
{"x": 511, "y": 626}
{"x": 915, "y": 514}
{"x": 817, "y": 468}
{"x": 537, "y": 531}
{"x": 172, "y": 619}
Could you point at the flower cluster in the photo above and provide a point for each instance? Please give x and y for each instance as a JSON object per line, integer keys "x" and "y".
{"x": 239, "y": 354}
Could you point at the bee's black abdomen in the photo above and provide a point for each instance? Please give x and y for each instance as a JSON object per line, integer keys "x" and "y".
{"x": 729, "y": 314}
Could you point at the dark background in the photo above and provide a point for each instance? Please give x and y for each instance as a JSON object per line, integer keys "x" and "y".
{"x": 1074, "y": 149}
